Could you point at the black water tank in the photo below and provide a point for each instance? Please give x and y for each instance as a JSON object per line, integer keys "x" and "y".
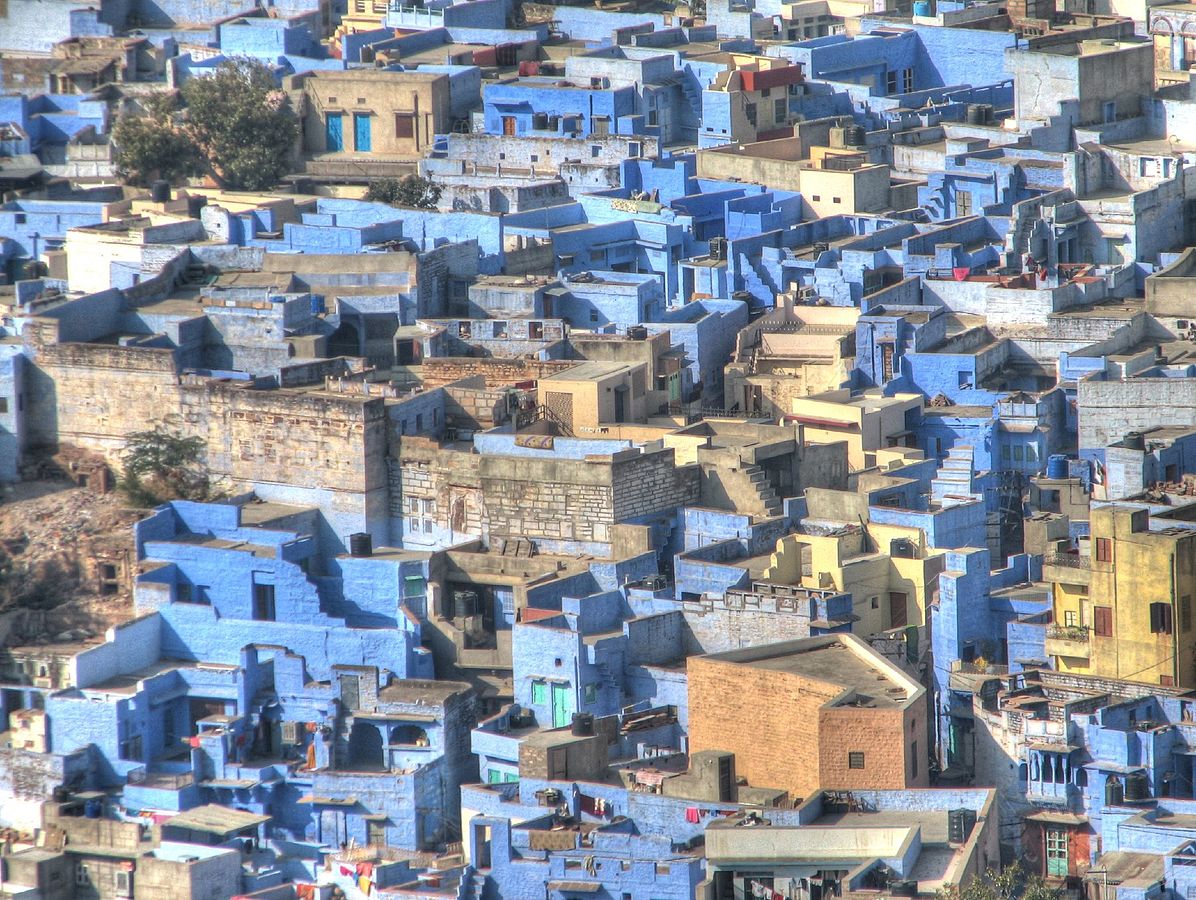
{"x": 1114, "y": 793}
{"x": 853, "y": 135}
{"x": 583, "y": 724}
{"x": 160, "y": 191}
{"x": 1135, "y": 440}
{"x": 637, "y": 333}
{"x": 960, "y": 823}
{"x": 361, "y": 544}
{"x": 1137, "y": 787}
{"x": 905, "y": 888}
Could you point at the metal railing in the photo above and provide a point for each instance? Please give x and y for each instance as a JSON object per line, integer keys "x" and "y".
{"x": 1067, "y": 560}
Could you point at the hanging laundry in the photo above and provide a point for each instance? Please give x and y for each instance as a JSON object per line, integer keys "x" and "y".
{"x": 365, "y": 885}
{"x": 347, "y": 870}
{"x": 588, "y": 804}
{"x": 366, "y": 869}
{"x": 691, "y": 814}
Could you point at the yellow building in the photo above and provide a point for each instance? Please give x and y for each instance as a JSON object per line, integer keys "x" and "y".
{"x": 867, "y": 421}
{"x": 1124, "y": 608}
{"x": 888, "y": 570}
{"x": 594, "y": 394}
{"x": 370, "y": 113}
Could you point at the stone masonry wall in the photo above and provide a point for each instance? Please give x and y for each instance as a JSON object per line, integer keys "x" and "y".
{"x": 650, "y": 482}
{"x": 567, "y": 500}
{"x": 439, "y": 371}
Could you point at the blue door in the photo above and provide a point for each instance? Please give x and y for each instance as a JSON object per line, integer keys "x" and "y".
{"x": 334, "y": 132}
{"x": 361, "y": 132}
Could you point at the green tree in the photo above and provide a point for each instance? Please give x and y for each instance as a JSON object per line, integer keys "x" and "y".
{"x": 411, "y": 190}
{"x": 152, "y": 145}
{"x": 1012, "y": 883}
{"x": 162, "y": 465}
{"x": 242, "y": 124}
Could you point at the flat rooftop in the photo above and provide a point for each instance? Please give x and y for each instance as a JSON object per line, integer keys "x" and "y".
{"x": 866, "y": 679}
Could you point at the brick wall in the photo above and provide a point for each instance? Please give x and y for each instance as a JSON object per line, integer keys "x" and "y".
{"x": 771, "y": 736}
{"x": 787, "y": 737}
{"x": 882, "y": 735}
{"x": 439, "y": 371}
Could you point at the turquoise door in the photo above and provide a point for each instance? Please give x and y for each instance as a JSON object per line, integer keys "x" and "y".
{"x": 562, "y": 706}
{"x": 334, "y": 132}
{"x": 361, "y": 132}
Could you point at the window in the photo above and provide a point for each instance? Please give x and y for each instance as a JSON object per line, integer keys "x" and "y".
{"x": 1069, "y": 618}
{"x": 404, "y": 125}
{"x": 183, "y": 593}
{"x": 591, "y": 693}
{"x": 1160, "y": 618}
{"x": 836, "y": 199}
{"x": 875, "y": 602}
{"x": 123, "y": 882}
{"x": 539, "y": 692}
{"x": 963, "y": 203}
{"x": 855, "y": 759}
{"x": 778, "y": 110}
{"x": 595, "y": 151}
{"x": 890, "y": 82}
{"x": 263, "y": 602}
{"x": 907, "y": 80}
{"x": 82, "y": 875}
{"x": 653, "y": 118}
{"x": 593, "y": 315}
{"x": 817, "y": 198}
{"x": 414, "y": 586}
{"x": 1102, "y": 621}
{"x": 750, "y": 112}
{"x": 1104, "y": 550}
{"x": 634, "y": 149}
{"x": 964, "y": 378}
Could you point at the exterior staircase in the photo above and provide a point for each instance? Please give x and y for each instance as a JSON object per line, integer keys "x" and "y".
{"x": 757, "y": 484}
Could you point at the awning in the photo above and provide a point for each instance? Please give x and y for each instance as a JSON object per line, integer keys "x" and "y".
{"x": 218, "y": 820}
{"x": 574, "y": 887}
{"x": 328, "y": 801}
{"x": 1052, "y": 817}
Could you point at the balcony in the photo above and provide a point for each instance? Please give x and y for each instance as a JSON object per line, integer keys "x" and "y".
{"x": 1068, "y": 640}
{"x": 1066, "y": 568}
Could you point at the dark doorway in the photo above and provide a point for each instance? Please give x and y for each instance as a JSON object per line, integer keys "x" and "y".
{"x": 365, "y": 747}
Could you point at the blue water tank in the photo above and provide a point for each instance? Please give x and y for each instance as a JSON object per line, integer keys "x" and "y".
{"x": 317, "y": 305}
{"x": 1056, "y": 466}
{"x": 921, "y": 7}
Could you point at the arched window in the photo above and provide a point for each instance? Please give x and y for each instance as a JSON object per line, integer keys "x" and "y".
{"x": 409, "y": 734}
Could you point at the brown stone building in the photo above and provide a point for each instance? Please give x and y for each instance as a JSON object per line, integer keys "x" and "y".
{"x": 821, "y": 712}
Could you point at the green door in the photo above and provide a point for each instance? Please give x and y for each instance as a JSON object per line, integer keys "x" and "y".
{"x": 562, "y": 706}
{"x": 1056, "y": 852}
